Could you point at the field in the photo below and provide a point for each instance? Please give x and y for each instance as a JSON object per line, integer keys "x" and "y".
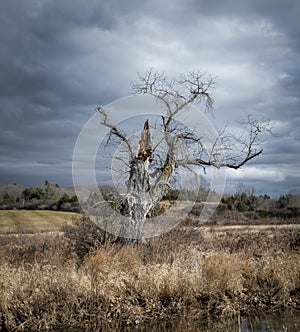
{"x": 30, "y": 221}
{"x": 79, "y": 278}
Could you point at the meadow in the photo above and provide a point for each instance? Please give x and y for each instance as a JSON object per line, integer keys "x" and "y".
{"x": 31, "y": 221}
{"x": 81, "y": 278}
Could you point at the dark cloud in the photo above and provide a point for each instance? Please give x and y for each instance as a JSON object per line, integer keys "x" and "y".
{"x": 60, "y": 59}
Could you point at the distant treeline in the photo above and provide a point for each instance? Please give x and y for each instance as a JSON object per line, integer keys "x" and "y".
{"x": 51, "y": 196}
{"x": 243, "y": 203}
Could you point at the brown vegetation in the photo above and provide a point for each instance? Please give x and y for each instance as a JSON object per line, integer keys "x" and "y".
{"x": 46, "y": 284}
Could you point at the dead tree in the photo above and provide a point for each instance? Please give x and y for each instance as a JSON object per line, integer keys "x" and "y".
{"x": 138, "y": 200}
{"x": 175, "y": 96}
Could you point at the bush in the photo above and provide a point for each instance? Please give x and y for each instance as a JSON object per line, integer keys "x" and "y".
{"x": 74, "y": 199}
{"x": 34, "y": 193}
{"x": 8, "y": 199}
{"x": 65, "y": 198}
{"x": 86, "y": 236}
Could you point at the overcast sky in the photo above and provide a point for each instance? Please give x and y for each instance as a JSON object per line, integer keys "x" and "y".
{"x": 59, "y": 59}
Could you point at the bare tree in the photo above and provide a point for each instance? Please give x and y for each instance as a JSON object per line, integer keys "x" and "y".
{"x": 150, "y": 172}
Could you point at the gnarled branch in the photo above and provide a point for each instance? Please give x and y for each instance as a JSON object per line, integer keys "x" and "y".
{"x": 114, "y": 130}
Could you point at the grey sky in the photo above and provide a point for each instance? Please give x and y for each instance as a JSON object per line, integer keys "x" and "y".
{"x": 61, "y": 59}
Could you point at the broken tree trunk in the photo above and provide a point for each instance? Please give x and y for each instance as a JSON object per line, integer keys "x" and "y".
{"x": 138, "y": 200}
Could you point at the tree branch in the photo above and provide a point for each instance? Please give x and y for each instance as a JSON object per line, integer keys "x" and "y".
{"x": 114, "y": 130}
{"x": 176, "y": 94}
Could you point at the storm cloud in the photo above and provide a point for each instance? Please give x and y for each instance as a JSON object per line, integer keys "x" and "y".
{"x": 59, "y": 60}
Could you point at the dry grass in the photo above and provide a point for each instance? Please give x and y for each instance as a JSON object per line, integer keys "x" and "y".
{"x": 16, "y": 221}
{"x": 44, "y": 285}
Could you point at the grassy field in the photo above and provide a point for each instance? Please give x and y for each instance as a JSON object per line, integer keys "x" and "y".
{"x": 28, "y": 221}
{"x": 50, "y": 281}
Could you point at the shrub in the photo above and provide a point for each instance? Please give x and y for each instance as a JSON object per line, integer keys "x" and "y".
{"x": 34, "y": 193}
{"x": 74, "y": 199}
{"x": 86, "y": 236}
{"x": 65, "y": 198}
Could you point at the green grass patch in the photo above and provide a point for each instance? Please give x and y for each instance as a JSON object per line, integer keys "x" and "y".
{"x": 28, "y": 221}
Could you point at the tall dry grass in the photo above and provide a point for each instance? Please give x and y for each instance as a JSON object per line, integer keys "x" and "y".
{"x": 45, "y": 285}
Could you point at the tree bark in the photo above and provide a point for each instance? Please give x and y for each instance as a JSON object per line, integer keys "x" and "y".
{"x": 138, "y": 200}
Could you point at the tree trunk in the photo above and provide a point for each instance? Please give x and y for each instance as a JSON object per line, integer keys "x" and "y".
{"x": 138, "y": 200}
